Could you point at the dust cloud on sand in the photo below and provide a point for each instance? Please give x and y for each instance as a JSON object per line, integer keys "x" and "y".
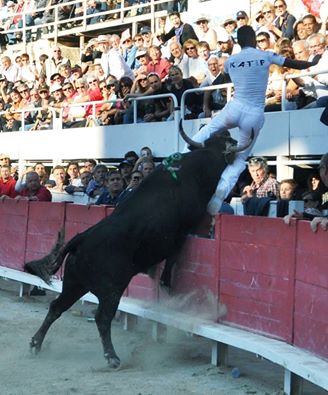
{"x": 71, "y": 360}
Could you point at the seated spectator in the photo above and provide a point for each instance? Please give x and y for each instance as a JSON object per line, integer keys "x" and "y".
{"x": 310, "y": 24}
{"x": 13, "y": 115}
{"x": 311, "y": 89}
{"x": 195, "y": 64}
{"x": 263, "y": 41}
{"x": 179, "y": 58}
{"x": 98, "y": 71}
{"x": 147, "y": 36}
{"x": 214, "y": 100}
{"x": 56, "y": 99}
{"x": 28, "y": 71}
{"x": 115, "y": 188}
{"x": 177, "y": 85}
{"x": 274, "y": 88}
{"x": 129, "y": 49}
{"x": 287, "y": 189}
{"x": 143, "y": 60}
{"x": 262, "y": 185}
{"x": 145, "y": 166}
{"x": 205, "y": 33}
{"x": 98, "y": 184}
{"x": 73, "y": 174}
{"x": 112, "y": 61}
{"x": 89, "y": 166}
{"x": 182, "y": 31}
{"x": 135, "y": 180}
{"x": 159, "y": 109}
{"x": 312, "y": 197}
{"x": 157, "y": 64}
{"x": 44, "y": 117}
{"x": 226, "y": 45}
{"x": 59, "y": 176}
{"x": 90, "y": 51}
{"x": 33, "y": 189}
{"x": 131, "y": 156}
{"x": 7, "y": 182}
{"x": 93, "y": 8}
{"x": 300, "y": 32}
{"x": 268, "y": 11}
{"x": 126, "y": 168}
{"x": 51, "y": 65}
{"x": 140, "y": 85}
{"x": 107, "y": 111}
{"x": 86, "y": 177}
{"x": 146, "y": 152}
{"x": 284, "y": 21}
{"x": 65, "y": 72}
{"x": 9, "y": 70}
{"x": 40, "y": 169}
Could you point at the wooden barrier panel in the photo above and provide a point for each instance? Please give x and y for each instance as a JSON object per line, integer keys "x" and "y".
{"x": 80, "y": 217}
{"x": 311, "y": 290}
{"x": 257, "y": 274}
{"x": 13, "y": 227}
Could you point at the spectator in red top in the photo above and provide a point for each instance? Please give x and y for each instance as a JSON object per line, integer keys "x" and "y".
{"x": 158, "y": 64}
{"x": 33, "y": 189}
{"x": 7, "y": 182}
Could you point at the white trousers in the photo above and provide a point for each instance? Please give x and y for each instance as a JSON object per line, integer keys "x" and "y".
{"x": 234, "y": 114}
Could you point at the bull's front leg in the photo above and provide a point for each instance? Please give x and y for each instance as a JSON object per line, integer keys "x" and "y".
{"x": 107, "y": 308}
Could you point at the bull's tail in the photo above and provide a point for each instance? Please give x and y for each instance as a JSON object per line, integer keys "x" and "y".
{"x": 49, "y": 265}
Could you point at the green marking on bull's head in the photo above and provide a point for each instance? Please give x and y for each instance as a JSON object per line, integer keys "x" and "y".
{"x": 169, "y": 163}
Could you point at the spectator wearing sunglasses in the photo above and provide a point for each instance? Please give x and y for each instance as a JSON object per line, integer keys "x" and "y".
{"x": 51, "y": 65}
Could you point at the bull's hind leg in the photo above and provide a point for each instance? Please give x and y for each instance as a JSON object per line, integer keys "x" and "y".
{"x": 69, "y": 295}
{"x": 108, "y": 304}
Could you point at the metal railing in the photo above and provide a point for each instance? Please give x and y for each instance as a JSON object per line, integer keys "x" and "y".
{"x": 123, "y": 14}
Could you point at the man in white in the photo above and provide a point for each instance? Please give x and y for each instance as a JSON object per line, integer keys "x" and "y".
{"x": 249, "y": 71}
{"x": 111, "y": 60}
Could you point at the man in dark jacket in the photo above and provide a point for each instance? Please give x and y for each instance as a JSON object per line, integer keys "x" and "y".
{"x": 182, "y": 31}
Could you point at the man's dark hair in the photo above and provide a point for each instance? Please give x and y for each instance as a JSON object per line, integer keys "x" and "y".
{"x": 246, "y": 37}
{"x": 175, "y": 13}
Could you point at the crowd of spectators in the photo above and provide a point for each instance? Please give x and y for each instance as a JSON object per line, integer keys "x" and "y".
{"x": 117, "y": 68}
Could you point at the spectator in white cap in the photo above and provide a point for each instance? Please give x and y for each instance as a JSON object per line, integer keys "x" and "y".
{"x": 226, "y": 44}
{"x": 143, "y": 60}
{"x": 205, "y": 33}
{"x": 112, "y": 61}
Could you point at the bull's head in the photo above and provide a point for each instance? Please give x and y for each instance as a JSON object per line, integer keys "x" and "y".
{"x": 231, "y": 145}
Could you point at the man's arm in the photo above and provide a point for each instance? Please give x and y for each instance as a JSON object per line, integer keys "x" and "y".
{"x": 298, "y": 64}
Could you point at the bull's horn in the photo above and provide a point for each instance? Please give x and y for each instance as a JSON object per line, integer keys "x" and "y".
{"x": 187, "y": 139}
{"x": 239, "y": 148}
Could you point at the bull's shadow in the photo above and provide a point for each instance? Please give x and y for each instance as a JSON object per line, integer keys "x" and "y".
{"x": 146, "y": 228}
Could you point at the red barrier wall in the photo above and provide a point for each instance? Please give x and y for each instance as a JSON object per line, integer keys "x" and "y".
{"x": 13, "y": 224}
{"x": 257, "y": 273}
{"x": 311, "y": 291}
{"x": 271, "y": 277}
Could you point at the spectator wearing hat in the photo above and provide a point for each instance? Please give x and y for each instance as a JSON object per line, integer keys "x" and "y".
{"x": 179, "y": 58}
{"x": 147, "y": 36}
{"x": 90, "y": 52}
{"x": 129, "y": 49}
{"x": 112, "y": 61}
{"x": 126, "y": 168}
{"x": 180, "y": 30}
{"x": 143, "y": 59}
{"x": 205, "y": 33}
{"x": 157, "y": 63}
{"x": 226, "y": 44}
{"x": 51, "y": 65}
{"x": 230, "y": 26}
{"x": 242, "y": 19}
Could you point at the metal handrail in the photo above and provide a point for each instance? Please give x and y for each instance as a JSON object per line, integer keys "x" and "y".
{"x": 27, "y": 110}
{"x": 83, "y": 18}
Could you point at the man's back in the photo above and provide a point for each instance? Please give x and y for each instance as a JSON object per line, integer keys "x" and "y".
{"x": 249, "y": 71}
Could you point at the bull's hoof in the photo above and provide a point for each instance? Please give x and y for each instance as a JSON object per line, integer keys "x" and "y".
{"x": 113, "y": 362}
{"x": 35, "y": 346}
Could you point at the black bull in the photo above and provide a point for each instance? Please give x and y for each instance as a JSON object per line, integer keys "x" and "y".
{"x": 142, "y": 231}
